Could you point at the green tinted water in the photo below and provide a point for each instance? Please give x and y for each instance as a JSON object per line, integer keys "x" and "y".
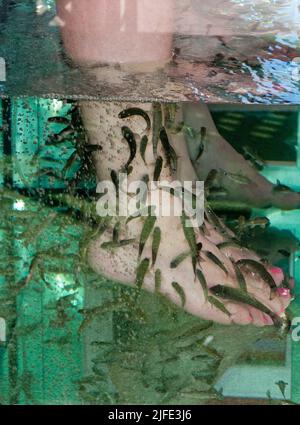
{"x": 73, "y": 337}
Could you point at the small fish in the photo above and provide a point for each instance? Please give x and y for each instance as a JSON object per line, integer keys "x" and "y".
{"x": 198, "y": 138}
{"x": 46, "y": 158}
{"x": 133, "y": 217}
{"x": 191, "y": 132}
{"x": 59, "y": 120}
{"x": 170, "y": 114}
{"x": 48, "y": 172}
{"x": 218, "y": 304}
{"x": 169, "y": 150}
{"x": 204, "y": 231}
{"x": 157, "y": 279}
{"x": 284, "y": 253}
{"x": 229, "y": 244}
{"x": 145, "y": 179}
{"x": 89, "y": 315}
{"x": 179, "y": 259}
{"x": 93, "y": 148}
{"x": 141, "y": 271}
{"x": 130, "y": 139}
{"x": 211, "y": 177}
{"x": 70, "y": 162}
{"x": 281, "y": 188}
{"x": 194, "y": 331}
{"x": 237, "y": 295}
{"x": 251, "y": 156}
{"x": 136, "y": 111}
{"x": 129, "y": 170}
{"x": 203, "y": 133}
{"x": 115, "y": 179}
{"x": 65, "y": 135}
{"x": 143, "y": 147}
{"x": 158, "y": 168}
{"x": 178, "y": 288}
{"x": 244, "y": 224}
{"x": 258, "y": 221}
{"x": 100, "y": 343}
{"x": 203, "y": 283}
{"x": 237, "y": 178}
{"x": 240, "y": 277}
{"x": 201, "y": 144}
{"x": 268, "y": 393}
{"x": 216, "y": 260}
{"x": 214, "y": 220}
{"x": 200, "y": 152}
{"x": 117, "y": 244}
{"x": 157, "y": 125}
{"x": 116, "y": 232}
{"x": 218, "y": 192}
{"x": 146, "y": 231}
{"x": 282, "y": 386}
{"x": 155, "y": 244}
{"x": 190, "y": 236}
{"x": 260, "y": 269}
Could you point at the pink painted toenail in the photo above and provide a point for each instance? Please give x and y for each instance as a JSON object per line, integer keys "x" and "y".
{"x": 283, "y": 292}
{"x": 277, "y": 273}
{"x": 276, "y": 270}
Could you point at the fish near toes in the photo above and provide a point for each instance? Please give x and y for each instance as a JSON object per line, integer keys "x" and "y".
{"x": 259, "y": 269}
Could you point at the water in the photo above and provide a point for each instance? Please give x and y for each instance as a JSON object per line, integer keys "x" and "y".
{"x": 74, "y": 337}
{"x": 210, "y": 65}
{"x": 70, "y": 335}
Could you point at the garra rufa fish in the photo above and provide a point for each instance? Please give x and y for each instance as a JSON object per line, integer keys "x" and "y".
{"x": 259, "y": 268}
{"x": 240, "y": 296}
{"x": 281, "y": 187}
{"x": 243, "y": 224}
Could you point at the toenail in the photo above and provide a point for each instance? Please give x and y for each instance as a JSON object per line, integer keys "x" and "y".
{"x": 276, "y": 270}
{"x": 283, "y": 292}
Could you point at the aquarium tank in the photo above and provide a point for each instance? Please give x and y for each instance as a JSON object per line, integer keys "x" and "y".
{"x": 99, "y": 307}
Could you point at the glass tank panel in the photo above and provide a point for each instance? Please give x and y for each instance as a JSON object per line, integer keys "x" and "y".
{"x": 70, "y": 335}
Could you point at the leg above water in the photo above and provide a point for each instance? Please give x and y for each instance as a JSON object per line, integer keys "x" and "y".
{"x": 114, "y": 32}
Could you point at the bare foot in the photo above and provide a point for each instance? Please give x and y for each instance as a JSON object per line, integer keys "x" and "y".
{"x": 236, "y": 176}
{"x": 180, "y": 280}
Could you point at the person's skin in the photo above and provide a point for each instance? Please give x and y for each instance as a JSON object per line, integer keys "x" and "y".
{"x": 116, "y": 31}
{"x": 112, "y": 31}
{"x": 256, "y": 191}
{"x": 104, "y": 128}
{"x": 88, "y": 43}
{"x": 228, "y": 18}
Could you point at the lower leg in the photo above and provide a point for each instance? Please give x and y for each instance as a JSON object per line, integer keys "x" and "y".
{"x": 91, "y": 46}
{"x": 103, "y": 126}
{"x": 114, "y": 32}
